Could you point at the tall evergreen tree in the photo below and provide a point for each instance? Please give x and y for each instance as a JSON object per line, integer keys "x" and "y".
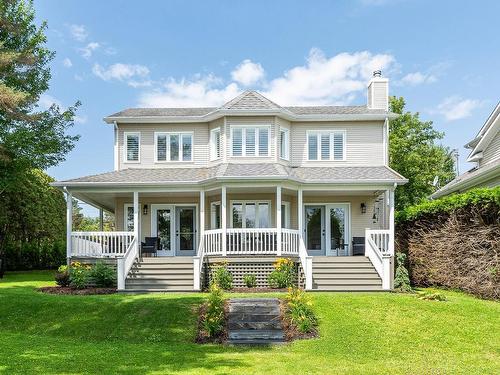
{"x": 415, "y": 153}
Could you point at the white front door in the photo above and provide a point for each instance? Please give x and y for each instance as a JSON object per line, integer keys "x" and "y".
{"x": 162, "y": 226}
{"x": 185, "y": 230}
{"x": 337, "y": 229}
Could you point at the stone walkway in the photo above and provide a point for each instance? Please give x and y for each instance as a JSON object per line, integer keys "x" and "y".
{"x": 255, "y": 321}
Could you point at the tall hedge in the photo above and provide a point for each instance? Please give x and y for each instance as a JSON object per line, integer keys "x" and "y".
{"x": 454, "y": 242}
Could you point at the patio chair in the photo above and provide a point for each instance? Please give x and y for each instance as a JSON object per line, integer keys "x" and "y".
{"x": 358, "y": 246}
{"x": 150, "y": 246}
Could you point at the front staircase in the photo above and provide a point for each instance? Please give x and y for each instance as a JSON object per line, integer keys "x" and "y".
{"x": 161, "y": 274}
{"x": 347, "y": 273}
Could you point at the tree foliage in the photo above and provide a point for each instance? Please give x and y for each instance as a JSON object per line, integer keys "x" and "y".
{"x": 415, "y": 154}
{"x": 31, "y": 138}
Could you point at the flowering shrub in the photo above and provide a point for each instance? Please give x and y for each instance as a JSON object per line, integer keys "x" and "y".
{"x": 299, "y": 310}
{"x": 250, "y": 280}
{"x": 62, "y": 276}
{"x": 79, "y": 275}
{"x": 213, "y": 322}
{"x": 222, "y": 277}
{"x": 103, "y": 275}
{"x": 283, "y": 275}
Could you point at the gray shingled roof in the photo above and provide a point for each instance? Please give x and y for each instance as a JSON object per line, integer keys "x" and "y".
{"x": 249, "y": 100}
{"x": 147, "y": 176}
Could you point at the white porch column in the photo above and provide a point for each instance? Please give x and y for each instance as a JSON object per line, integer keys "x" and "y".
{"x": 391, "y": 222}
{"x": 202, "y": 214}
{"x": 136, "y": 219}
{"x": 69, "y": 223}
{"x": 387, "y": 279}
{"x": 223, "y": 215}
{"x": 101, "y": 219}
{"x": 197, "y": 258}
{"x": 300, "y": 215}
{"x": 278, "y": 219}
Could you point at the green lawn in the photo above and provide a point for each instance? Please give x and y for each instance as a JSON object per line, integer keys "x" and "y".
{"x": 362, "y": 333}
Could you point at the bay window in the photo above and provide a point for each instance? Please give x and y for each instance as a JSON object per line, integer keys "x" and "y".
{"x": 250, "y": 214}
{"x": 250, "y": 140}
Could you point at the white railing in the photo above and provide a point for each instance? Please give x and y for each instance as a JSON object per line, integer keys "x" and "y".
{"x": 212, "y": 242}
{"x": 124, "y": 264}
{"x": 198, "y": 264}
{"x": 306, "y": 262}
{"x": 379, "y": 250}
{"x": 289, "y": 242}
{"x": 100, "y": 244}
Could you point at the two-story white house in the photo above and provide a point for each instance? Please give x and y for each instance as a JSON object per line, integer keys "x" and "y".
{"x": 246, "y": 182}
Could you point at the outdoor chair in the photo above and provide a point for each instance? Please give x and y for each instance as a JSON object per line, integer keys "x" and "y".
{"x": 358, "y": 246}
{"x": 150, "y": 246}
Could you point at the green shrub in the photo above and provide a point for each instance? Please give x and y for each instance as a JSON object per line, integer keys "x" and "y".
{"x": 431, "y": 296}
{"x": 250, "y": 280}
{"x": 62, "y": 276}
{"x": 79, "y": 275}
{"x": 103, "y": 275}
{"x": 283, "y": 275}
{"x": 299, "y": 310}
{"x": 222, "y": 277}
{"x": 213, "y": 322}
{"x": 402, "y": 278}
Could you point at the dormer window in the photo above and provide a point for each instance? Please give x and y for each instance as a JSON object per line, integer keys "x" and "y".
{"x": 250, "y": 140}
{"x": 173, "y": 147}
{"x": 326, "y": 145}
{"x": 284, "y": 144}
{"x": 215, "y": 144}
{"x": 132, "y": 145}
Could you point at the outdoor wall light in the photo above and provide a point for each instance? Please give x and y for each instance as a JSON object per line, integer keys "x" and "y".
{"x": 145, "y": 209}
{"x": 363, "y": 208}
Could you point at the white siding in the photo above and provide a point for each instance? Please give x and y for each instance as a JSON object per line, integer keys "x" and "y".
{"x": 147, "y": 148}
{"x": 364, "y": 143}
{"x": 492, "y": 152}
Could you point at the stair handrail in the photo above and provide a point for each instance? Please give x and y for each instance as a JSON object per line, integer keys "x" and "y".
{"x": 381, "y": 260}
{"x": 125, "y": 263}
{"x": 306, "y": 262}
{"x": 198, "y": 264}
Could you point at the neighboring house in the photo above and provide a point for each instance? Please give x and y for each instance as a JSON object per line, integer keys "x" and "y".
{"x": 486, "y": 154}
{"x": 246, "y": 182}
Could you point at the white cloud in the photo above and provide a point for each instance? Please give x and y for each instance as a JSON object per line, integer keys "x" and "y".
{"x": 78, "y": 32}
{"x": 87, "y": 51}
{"x": 200, "y": 91}
{"x": 417, "y": 78}
{"x": 247, "y": 73}
{"x": 78, "y": 77}
{"x": 321, "y": 81}
{"x": 80, "y": 119}
{"x": 456, "y": 108}
{"x": 67, "y": 63}
{"x": 133, "y": 75}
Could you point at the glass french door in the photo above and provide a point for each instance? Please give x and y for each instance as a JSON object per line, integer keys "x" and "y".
{"x": 162, "y": 226}
{"x": 185, "y": 230}
{"x": 337, "y": 230}
{"x": 327, "y": 229}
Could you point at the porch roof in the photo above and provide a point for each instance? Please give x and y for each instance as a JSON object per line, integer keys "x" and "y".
{"x": 238, "y": 172}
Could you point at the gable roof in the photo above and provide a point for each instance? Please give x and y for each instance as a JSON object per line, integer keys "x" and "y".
{"x": 248, "y": 103}
{"x": 485, "y": 135}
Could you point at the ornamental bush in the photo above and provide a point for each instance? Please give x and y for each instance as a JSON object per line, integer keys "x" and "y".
{"x": 62, "y": 276}
{"x": 299, "y": 310}
{"x": 401, "y": 279}
{"x": 104, "y": 276}
{"x": 222, "y": 277}
{"x": 79, "y": 275}
{"x": 213, "y": 322}
{"x": 250, "y": 280}
{"x": 283, "y": 275}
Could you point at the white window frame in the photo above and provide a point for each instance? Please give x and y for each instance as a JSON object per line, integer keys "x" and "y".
{"x": 286, "y": 133}
{"x": 330, "y": 133}
{"x": 212, "y": 214}
{"x": 243, "y": 141}
{"x": 287, "y": 223}
{"x": 243, "y": 204}
{"x": 213, "y": 144}
{"x": 125, "y": 147}
{"x": 168, "y": 134}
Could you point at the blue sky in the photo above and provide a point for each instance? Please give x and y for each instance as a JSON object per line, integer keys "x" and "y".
{"x": 442, "y": 56}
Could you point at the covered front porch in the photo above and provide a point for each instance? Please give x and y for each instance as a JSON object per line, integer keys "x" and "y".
{"x": 232, "y": 220}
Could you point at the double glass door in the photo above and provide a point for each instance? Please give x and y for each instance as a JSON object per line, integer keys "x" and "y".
{"x": 327, "y": 229}
{"x": 176, "y": 229}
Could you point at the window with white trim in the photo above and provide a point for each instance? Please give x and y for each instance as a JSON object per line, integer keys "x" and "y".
{"x": 128, "y": 217}
{"x": 250, "y": 140}
{"x": 250, "y": 214}
{"x": 174, "y": 147}
{"x": 215, "y": 144}
{"x": 284, "y": 144}
{"x": 132, "y": 142}
{"x": 326, "y": 145}
{"x": 215, "y": 215}
{"x": 285, "y": 215}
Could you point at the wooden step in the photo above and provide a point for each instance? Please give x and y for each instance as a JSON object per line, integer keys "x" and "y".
{"x": 347, "y": 282}
{"x": 348, "y": 288}
{"x": 349, "y": 276}
{"x": 252, "y": 334}
{"x": 167, "y": 260}
{"x": 339, "y": 265}
{"x": 348, "y": 259}
{"x": 158, "y": 283}
{"x": 160, "y": 276}
{"x": 353, "y": 271}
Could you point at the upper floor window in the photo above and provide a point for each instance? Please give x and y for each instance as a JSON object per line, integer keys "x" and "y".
{"x": 250, "y": 140}
{"x": 284, "y": 144}
{"x": 132, "y": 144}
{"x": 215, "y": 145}
{"x": 326, "y": 145}
{"x": 174, "y": 146}
{"x": 250, "y": 214}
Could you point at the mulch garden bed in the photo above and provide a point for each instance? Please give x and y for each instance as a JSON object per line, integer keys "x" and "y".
{"x": 290, "y": 330}
{"x": 202, "y": 336}
{"x": 81, "y": 292}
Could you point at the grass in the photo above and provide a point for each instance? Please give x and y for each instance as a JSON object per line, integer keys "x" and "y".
{"x": 360, "y": 333}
